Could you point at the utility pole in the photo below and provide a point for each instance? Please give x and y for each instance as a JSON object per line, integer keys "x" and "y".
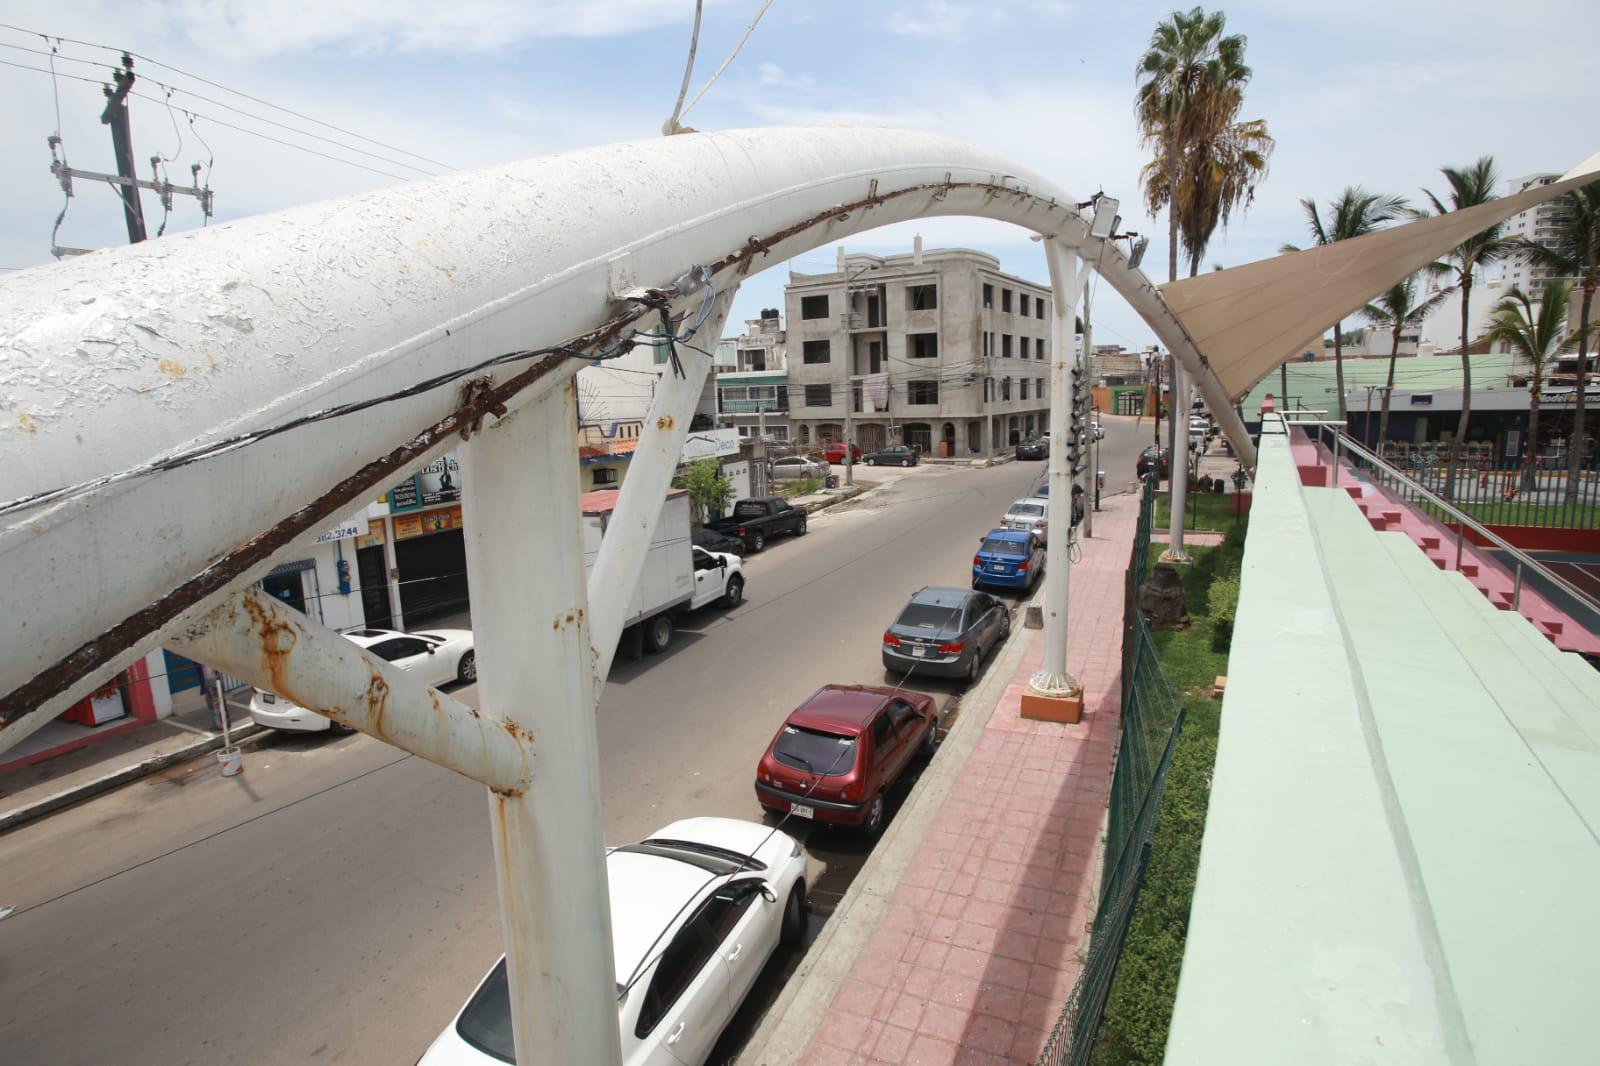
{"x": 116, "y": 116}
{"x": 1088, "y": 480}
{"x": 849, "y": 424}
{"x": 761, "y": 447}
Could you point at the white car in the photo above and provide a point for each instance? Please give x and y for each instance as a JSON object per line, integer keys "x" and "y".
{"x": 696, "y": 911}
{"x": 800, "y": 467}
{"x": 436, "y": 657}
{"x": 1029, "y": 516}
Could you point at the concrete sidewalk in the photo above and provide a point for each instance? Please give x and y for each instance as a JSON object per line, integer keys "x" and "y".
{"x": 963, "y": 936}
{"x": 33, "y": 790}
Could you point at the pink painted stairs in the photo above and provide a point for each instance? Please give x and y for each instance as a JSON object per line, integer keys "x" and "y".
{"x": 1438, "y": 544}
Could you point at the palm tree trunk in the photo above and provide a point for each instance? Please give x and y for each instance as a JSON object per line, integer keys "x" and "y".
{"x": 1528, "y": 477}
{"x": 1338, "y": 365}
{"x": 1466, "y": 394}
{"x": 1383, "y": 417}
{"x": 1575, "y": 457}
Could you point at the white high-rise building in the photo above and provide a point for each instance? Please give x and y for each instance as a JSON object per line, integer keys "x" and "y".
{"x": 1539, "y": 224}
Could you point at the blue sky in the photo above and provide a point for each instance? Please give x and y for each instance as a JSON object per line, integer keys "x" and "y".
{"x": 1363, "y": 91}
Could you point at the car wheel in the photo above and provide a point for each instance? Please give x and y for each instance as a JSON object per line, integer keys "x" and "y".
{"x": 658, "y": 633}
{"x": 976, "y": 583}
{"x": 758, "y": 541}
{"x": 1005, "y": 626}
{"x": 977, "y": 662}
{"x": 800, "y": 532}
{"x": 872, "y": 825}
{"x": 467, "y": 669}
{"x": 794, "y": 919}
{"x": 930, "y": 743}
{"x": 871, "y": 461}
{"x": 905, "y": 462}
{"x": 735, "y": 592}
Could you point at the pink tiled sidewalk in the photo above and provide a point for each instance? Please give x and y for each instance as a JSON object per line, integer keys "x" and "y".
{"x": 980, "y": 944}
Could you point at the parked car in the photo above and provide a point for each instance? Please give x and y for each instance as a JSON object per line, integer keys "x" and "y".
{"x": 712, "y": 541}
{"x": 798, "y": 468}
{"x": 1008, "y": 558}
{"x": 892, "y": 455}
{"x": 777, "y": 449}
{"x": 757, "y": 520}
{"x": 1031, "y": 515}
{"x": 1154, "y": 458}
{"x": 1097, "y": 429}
{"x": 697, "y": 909}
{"x": 435, "y": 657}
{"x": 834, "y": 452}
{"x": 838, "y": 753}
{"x": 1042, "y": 491}
{"x": 1037, "y": 448}
{"x": 944, "y": 632}
{"x": 674, "y": 581}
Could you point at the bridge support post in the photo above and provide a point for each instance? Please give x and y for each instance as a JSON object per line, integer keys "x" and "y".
{"x": 529, "y": 603}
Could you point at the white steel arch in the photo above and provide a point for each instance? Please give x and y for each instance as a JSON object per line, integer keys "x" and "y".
{"x": 132, "y": 353}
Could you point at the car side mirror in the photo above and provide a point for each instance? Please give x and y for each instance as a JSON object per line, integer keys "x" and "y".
{"x": 767, "y": 893}
{"x": 431, "y": 649}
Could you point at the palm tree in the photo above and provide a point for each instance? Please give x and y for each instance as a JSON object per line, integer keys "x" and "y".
{"x": 1536, "y": 333}
{"x": 1469, "y": 187}
{"x": 1189, "y": 74}
{"x": 1354, "y": 213}
{"x": 1575, "y": 253}
{"x": 1217, "y": 176}
{"x": 1396, "y": 310}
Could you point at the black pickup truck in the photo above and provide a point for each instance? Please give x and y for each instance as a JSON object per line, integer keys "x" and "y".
{"x": 755, "y": 520}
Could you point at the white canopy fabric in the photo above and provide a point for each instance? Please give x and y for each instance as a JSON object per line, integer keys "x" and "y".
{"x": 1251, "y": 318}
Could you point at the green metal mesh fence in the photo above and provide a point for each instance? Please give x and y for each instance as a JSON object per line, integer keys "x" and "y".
{"x": 1151, "y": 724}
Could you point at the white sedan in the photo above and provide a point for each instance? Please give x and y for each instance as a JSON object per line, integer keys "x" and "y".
{"x": 696, "y": 911}
{"x": 436, "y": 657}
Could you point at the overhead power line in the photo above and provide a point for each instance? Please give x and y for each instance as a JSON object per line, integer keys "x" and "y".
{"x": 227, "y": 107}
{"x": 227, "y": 89}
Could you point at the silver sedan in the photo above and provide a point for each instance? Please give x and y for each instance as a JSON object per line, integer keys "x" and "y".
{"x": 799, "y": 467}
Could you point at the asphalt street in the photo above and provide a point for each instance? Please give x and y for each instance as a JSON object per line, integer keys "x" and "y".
{"x": 336, "y": 903}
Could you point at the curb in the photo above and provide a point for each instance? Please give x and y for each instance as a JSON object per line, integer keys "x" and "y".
{"x": 792, "y": 1020}
{"x": 246, "y": 736}
{"x": 844, "y": 494}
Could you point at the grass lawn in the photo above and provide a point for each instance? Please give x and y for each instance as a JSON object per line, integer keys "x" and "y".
{"x": 1139, "y": 1009}
{"x": 1203, "y": 510}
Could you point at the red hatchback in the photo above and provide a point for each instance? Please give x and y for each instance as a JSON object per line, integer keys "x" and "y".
{"x": 841, "y": 750}
{"x": 834, "y": 452}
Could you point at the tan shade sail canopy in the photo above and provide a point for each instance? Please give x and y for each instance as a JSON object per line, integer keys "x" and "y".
{"x": 1252, "y": 318}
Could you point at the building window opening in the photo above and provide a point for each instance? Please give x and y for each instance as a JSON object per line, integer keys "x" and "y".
{"x": 922, "y": 345}
{"x": 922, "y": 297}
{"x": 814, "y": 307}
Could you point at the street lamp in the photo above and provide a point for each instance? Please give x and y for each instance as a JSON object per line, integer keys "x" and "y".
{"x": 1105, "y": 220}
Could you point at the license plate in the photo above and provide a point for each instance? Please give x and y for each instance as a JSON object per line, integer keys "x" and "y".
{"x": 800, "y": 810}
{"x": 919, "y": 650}
{"x": 997, "y": 567}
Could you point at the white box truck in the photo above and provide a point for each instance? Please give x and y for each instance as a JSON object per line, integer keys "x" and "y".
{"x": 678, "y": 574}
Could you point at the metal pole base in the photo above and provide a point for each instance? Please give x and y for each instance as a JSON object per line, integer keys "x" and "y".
{"x": 1053, "y": 698}
{"x": 1176, "y": 555}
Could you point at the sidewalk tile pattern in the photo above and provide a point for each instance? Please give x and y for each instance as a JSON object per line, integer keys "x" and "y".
{"x": 983, "y": 939}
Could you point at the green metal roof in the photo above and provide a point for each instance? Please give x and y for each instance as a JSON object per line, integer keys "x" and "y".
{"x": 1401, "y": 849}
{"x": 1313, "y": 383}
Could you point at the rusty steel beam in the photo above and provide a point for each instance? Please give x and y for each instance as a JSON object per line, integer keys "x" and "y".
{"x": 265, "y": 643}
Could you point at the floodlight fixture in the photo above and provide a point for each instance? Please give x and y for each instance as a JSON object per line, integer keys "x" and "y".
{"x": 1136, "y": 252}
{"x": 1105, "y": 219}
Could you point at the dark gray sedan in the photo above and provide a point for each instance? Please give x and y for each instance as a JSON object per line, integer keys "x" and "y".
{"x": 893, "y": 455}
{"x": 945, "y": 632}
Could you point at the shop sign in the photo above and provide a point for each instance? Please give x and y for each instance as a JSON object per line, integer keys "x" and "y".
{"x": 710, "y": 444}
{"x": 350, "y": 527}
{"x": 419, "y": 525}
{"x": 374, "y": 535}
{"x": 438, "y": 482}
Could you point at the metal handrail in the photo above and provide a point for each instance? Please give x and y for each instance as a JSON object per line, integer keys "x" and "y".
{"x": 1522, "y": 558}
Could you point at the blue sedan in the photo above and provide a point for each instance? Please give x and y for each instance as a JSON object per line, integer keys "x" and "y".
{"x": 1009, "y": 559}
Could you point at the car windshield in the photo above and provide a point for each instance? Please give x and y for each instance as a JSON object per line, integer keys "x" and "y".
{"x": 814, "y": 751}
{"x": 927, "y": 616}
{"x": 996, "y": 546}
{"x": 1026, "y": 510}
{"x": 486, "y": 1021}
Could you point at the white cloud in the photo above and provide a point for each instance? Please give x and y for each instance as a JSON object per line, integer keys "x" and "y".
{"x": 957, "y": 21}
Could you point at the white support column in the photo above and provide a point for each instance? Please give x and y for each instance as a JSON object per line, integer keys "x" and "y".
{"x": 266, "y": 643}
{"x": 633, "y": 523}
{"x": 529, "y": 606}
{"x": 1178, "y": 467}
{"x": 1053, "y": 680}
